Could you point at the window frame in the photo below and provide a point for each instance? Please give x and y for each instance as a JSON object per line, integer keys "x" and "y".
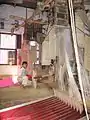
{"x": 10, "y": 49}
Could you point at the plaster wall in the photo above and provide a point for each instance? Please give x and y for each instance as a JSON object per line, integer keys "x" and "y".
{"x": 8, "y": 70}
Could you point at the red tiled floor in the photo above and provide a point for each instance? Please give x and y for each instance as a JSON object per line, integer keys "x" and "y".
{"x": 49, "y": 109}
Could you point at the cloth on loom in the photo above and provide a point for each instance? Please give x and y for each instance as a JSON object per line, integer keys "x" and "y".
{"x": 29, "y": 77}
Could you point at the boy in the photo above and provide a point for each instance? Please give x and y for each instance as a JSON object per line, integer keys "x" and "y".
{"x": 23, "y": 75}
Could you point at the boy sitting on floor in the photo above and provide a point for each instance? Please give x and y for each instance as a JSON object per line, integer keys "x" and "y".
{"x": 23, "y": 76}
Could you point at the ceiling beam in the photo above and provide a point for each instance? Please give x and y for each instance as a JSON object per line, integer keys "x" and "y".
{"x": 21, "y": 3}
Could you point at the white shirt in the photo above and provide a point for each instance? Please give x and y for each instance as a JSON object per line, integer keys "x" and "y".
{"x": 22, "y": 72}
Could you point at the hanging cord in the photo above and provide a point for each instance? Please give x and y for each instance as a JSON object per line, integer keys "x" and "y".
{"x": 83, "y": 31}
{"x": 49, "y": 31}
{"x": 77, "y": 55}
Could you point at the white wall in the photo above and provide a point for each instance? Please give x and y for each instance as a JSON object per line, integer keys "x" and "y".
{"x": 8, "y": 70}
{"x": 68, "y": 43}
{"x": 54, "y": 44}
{"x": 45, "y": 52}
{"x": 80, "y": 35}
{"x": 49, "y": 48}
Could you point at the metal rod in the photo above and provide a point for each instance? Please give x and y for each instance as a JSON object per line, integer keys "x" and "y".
{"x": 25, "y": 28}
{"x": 26, "y": 13}
{"x": 76, "y": 54}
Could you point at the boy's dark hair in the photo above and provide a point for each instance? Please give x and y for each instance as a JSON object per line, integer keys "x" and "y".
{"x": 24, "y": 62}
{"x": 52, "y": 61}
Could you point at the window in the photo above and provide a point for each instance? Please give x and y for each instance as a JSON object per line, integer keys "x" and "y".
{"x": 8, "y": 41}
{"x": 8, "y": 49}
{"x": 32, "y": 43}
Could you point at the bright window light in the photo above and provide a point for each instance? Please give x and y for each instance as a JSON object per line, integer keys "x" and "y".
{"x": 8, "y": 41}
{"x": 7, "y": 49}
{"x": 32, "y": 43}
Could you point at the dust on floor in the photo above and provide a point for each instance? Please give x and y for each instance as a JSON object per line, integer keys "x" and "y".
{"x": 17, "y": 95}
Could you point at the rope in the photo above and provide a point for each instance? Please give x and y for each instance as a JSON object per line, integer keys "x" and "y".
{"x": 83, "y": 31}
